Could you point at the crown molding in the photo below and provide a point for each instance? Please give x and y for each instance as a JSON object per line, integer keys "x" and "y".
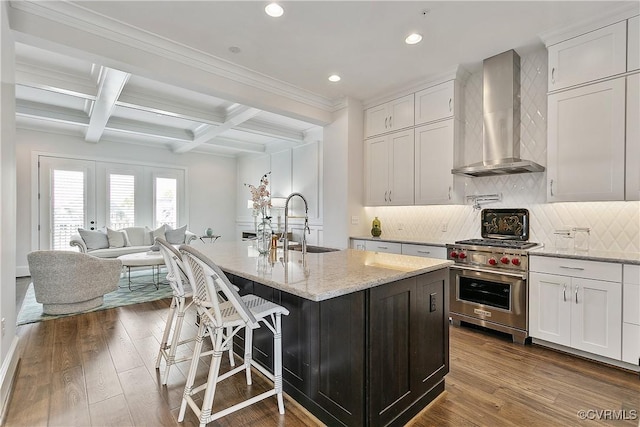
{"x": 80, "y": 18}
{"x": 566, "y": 32}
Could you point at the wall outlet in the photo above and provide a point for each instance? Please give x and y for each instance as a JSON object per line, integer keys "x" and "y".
{"x": 400, "y": 226}
{"x": 432, "y": 302}
{"x": 444, "y": 227}
{"x": 355, "y": 220}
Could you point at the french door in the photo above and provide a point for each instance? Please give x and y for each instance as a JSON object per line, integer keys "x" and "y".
{"x": 88, "y": 194}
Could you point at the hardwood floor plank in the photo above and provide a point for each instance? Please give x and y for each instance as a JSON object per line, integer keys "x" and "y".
{"x": 65, "y": 352}
{"x": 69, "y": 406}
{"x": 100, "y": 374}
{"x": 146, "y": 405}
{"x": 112, "y": 412}
{"x": 123, "y": 352}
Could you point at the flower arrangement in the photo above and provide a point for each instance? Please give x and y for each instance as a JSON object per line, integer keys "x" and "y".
{"x": 260, "y": 196}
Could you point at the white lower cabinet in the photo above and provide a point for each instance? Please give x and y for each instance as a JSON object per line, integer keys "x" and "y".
{"x": 424, "y": 251}
{"x": 389, "y": 247}
{"x": 358, "y": 244}
{"x": 631, "y": 314}
{"x": 577, "y": 304}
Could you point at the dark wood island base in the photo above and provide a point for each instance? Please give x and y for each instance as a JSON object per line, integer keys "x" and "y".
{"x": 373, "y": 357}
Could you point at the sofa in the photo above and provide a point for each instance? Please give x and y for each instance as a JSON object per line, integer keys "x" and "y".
{"x": 66, "y": 282}
{"x": 108, "y": 243}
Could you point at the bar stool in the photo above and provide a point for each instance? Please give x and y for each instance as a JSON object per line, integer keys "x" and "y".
{"x": 181, "y": 293}
{"x": 248, "y": 312}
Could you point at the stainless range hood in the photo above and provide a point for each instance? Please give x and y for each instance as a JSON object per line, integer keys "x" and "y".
{"x": 501, "y": 120}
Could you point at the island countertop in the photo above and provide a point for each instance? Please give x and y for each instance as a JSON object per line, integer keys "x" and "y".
{"x": 319, "y": 276}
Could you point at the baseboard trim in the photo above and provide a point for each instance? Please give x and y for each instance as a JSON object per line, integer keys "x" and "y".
{"x": 8, "y": 376}
{"x": 22, "y": 271}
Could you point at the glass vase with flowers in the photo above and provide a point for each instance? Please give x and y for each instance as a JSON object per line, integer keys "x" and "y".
{"x": 261, "y": 198}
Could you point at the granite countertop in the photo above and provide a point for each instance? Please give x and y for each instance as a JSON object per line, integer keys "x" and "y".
{"x": 319, "y": 276}
{"x": 590, "y": 255}
{"x": 430, "y": 242}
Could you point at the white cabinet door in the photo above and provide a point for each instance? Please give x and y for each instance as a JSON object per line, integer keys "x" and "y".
{"x": 591, "y": 56}
{"x": 632, "y": 181}
{"x": 388, "y": 247}
{"x": 376, "y": 153}
{"x": 401, "y": 113}
{"x": 631, "y": 314}
{"x": 401, "y": 176}
{"x": 435, "y": 103}
{"x": 596, "y": 317}
{"x": 586, "y": 143}
{"x": 631, "y": 343}
{"x": 633, "y": 44}
{"x": 389, "y": 117}
{"x": 426, "y": 251}
{"x": 550, "y": 308}
{"x": 434, "y": 159}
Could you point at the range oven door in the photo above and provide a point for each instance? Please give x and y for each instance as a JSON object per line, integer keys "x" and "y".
{"x": 496, "y": 297}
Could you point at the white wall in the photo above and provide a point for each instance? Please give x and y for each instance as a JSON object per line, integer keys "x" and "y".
{"x": 211, "y": 180}
{"x": 9, "y": 341}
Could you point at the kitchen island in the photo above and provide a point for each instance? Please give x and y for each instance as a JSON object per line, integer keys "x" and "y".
{"x": 366, "y": 341}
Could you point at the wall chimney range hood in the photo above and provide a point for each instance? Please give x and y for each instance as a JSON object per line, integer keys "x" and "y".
{"x": 501, "y": 120}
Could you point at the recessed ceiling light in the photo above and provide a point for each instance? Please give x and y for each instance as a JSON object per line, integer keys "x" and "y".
{"x": 274, "y": 10}
{"x": 413, "y": 38}
{"x": 334, "y": 78}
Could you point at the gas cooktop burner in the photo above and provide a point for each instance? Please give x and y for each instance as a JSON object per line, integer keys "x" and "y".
{"x": 514, "y": 244}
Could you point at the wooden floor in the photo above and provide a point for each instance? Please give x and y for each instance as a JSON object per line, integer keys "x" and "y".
{"x": 98, "y": 369}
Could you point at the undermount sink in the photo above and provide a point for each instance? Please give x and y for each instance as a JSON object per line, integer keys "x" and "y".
{"x": 313, "y": 249}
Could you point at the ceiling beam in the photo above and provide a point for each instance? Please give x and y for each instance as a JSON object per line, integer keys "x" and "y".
{"x": 111, "y": 84}
{"x": 236, "y": 116}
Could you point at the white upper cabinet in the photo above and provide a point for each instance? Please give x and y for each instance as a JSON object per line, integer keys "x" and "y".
{"x": 588, "y": 57}
{"x": 633, "y": 44}
{"x": 435, "y": 103}
{"x": 434, "y": 159}
{"x": 632, "y": 181}
{"x": 586, "y": 143}
{"x": 389, "y": 176}
{"x": 389, "y": 117}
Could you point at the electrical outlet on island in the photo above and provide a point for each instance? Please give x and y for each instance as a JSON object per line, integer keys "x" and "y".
{"x": 444, "y": 227}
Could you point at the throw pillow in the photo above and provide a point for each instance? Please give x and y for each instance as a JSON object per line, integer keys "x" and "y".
{"x": 117, "y": 239}
{"x": 177, "y": 236}
{"x": 158, "y": 232}
{"x": 94, "y": 239}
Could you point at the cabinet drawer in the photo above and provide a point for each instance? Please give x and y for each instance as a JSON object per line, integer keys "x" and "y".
{"x": 358, "y": 244}
{"x": 630, "y": 343}
{"x": 631, "y": 303}
{"x": 631, "y": 274}
{"x": 424, "y": 251}
{"x": 596, "y": 270}
{"x": 591, "y": 56}
{"x": 390, "y": 247}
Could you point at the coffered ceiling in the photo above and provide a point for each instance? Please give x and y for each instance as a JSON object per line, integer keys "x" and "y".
{"x": 291, "y": 56}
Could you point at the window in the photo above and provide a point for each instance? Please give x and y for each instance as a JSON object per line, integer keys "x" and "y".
{"x": 121, "y": 201}
{"x": 68, "y": 207}
{"x": 166, "y": 202}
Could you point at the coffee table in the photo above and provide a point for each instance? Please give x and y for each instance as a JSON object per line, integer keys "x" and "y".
{"x": 144, "y": 259}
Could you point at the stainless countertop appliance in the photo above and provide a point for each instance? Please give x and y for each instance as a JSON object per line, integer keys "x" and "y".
{"x": 489, "y": 279}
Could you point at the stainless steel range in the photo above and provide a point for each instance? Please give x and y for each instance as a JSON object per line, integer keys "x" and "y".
{"x": 489, "y": 279}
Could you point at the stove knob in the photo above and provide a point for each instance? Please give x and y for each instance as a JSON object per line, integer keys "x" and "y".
{"x": 504, "y": 260}
{"x": 453, "y": 254}
{"x": 462, "y": 255}
{"x": 493, "y": 261}
{"x": 515, "y": 261}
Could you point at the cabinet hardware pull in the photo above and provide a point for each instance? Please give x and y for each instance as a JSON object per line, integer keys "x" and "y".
{"x": 551, "y": 188}
{"x": 389, "y": 195}
{"x": 564, "y": 293}
{"x": 385, "y": 196}
{"x": 572, "y": 268}
{"x": 577, "y": 287}
{"x": 449, "y": 192}
{"x": 450, "y": 100}
{"x": 553, "y": 75}
{"x": 383, "y": 247}
{"x": 390, "y": 122}
{"x": 385, "y": 122}
{"x": 424, "y": 252}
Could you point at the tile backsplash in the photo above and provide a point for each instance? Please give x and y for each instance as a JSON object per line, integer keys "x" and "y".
{"x": 615, "y": 226}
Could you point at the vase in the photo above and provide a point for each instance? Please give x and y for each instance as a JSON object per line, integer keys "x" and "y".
{"x": 209, "y": 232}
{"x": 376, "y": 231}
{"x": 263, "y": 236}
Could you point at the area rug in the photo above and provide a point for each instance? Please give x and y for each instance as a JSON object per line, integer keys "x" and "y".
{"x": 31, "y": 310}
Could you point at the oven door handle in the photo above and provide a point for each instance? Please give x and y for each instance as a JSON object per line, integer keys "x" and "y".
{"x": 481, "y": 270}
